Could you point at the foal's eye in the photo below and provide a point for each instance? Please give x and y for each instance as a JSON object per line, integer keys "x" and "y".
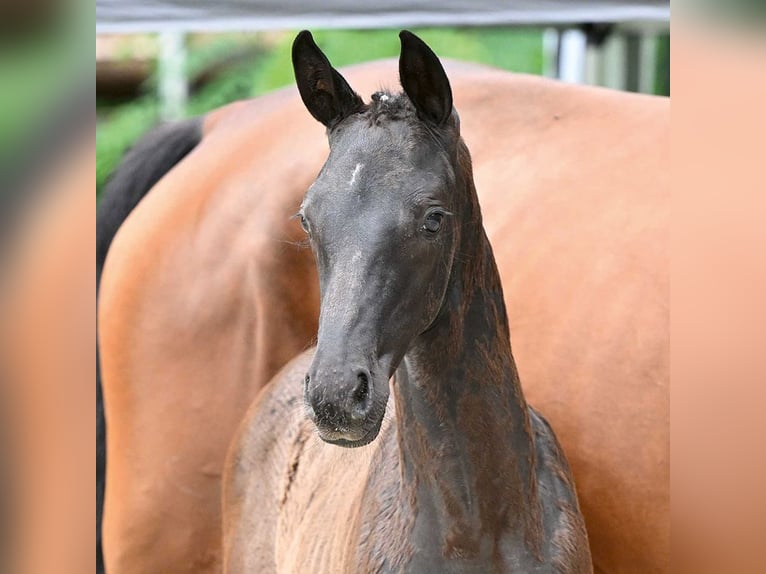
{"x": 433, "y": 222}
{"x": 304, "y": 223}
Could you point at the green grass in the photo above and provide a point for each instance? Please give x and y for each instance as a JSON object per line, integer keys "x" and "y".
{"x": 518, "y": 50}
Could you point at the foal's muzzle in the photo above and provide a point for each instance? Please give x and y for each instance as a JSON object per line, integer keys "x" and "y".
{"x": 340, "y": 400}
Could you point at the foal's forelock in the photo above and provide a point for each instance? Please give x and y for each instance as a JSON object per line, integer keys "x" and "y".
{"x": 388, "y": 107}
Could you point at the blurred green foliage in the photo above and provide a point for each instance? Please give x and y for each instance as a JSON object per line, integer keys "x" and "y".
{"x": 37, "y": 72}
{"x": 28, "y": 75}
{"x": 518, "y": 50}
{"x": 662, "y": 83}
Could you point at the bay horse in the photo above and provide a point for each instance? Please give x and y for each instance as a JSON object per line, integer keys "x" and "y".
{"x": 207, "y": 292}
{"x": 466, "y": 477}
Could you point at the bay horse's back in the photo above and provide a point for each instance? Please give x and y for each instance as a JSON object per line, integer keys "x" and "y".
{"x": 207, "y": 294}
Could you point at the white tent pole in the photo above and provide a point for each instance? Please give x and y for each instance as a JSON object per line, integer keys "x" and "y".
{"x": 173, "y": 90}
{"x": 572, "y": 52}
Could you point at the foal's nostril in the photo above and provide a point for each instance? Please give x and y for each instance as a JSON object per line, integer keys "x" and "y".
{"x": 362, "y": 390}
{"x": 336, "y": 401}
{"x": 360, "y": 396}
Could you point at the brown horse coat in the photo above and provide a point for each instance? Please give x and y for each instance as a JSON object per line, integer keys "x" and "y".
{"x": 46, "y": 356}
{"x": 205, "y": 295}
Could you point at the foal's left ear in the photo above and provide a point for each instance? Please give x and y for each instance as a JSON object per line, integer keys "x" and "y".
{"x": 423, "y": 79}
{"x": 324, "y": 91}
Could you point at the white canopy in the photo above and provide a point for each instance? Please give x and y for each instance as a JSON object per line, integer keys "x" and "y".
{"x": 158, "y": 15}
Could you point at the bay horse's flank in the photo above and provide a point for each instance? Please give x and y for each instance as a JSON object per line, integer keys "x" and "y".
{"x": 143, "y": 166}
{"x": 465, "y": 477}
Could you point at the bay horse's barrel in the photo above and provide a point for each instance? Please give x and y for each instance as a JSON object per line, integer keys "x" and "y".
{"x": 206, "y": 293}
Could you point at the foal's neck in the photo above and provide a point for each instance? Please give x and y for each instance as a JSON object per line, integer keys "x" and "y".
{"x": 464, "y": 433}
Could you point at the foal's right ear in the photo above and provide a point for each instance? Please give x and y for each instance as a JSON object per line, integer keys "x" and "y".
{"x": 326, "y": 94}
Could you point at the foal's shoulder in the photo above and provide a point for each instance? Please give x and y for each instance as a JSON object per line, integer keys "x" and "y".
{"x": 564, "y": 525}
{"x": 554, "y": 476}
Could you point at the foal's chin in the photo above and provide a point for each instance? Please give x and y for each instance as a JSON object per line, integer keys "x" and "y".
{"x": 350, "y": 439}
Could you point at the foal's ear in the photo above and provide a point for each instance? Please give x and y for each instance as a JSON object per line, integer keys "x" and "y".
{"x": 423, "y": 79}
{"x": 324, "y": 91}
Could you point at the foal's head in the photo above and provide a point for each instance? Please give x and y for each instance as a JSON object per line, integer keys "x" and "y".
{"x": 383, "y": 218}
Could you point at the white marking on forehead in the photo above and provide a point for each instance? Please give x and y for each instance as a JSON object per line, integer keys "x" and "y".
{"x": 357, "y": 169}
{"x": 383, "y": 97}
